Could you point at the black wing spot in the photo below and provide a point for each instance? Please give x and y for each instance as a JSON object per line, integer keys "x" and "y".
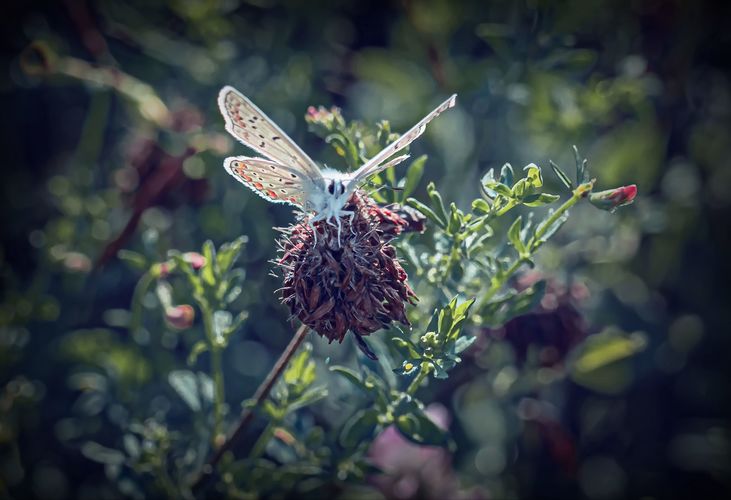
{"x": 262, "y": 144}
{"x": 294, "y": 176}
{"x": 276, "y": 138}
{"x": 270, "y": 185}
{"x": 273, "y": 167}
{"x": 283, "y": 191}
{"x": 261, "y": 136}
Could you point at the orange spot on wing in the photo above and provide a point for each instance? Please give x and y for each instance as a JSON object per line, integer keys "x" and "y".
{"x": 271, "y": 193}
{"x": 258, "y": 185}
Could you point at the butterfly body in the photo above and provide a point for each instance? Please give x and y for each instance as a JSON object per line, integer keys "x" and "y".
{"x": 287, "y": 174}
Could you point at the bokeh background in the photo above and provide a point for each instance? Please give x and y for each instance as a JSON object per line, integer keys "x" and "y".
{"x": 111, "y": 139}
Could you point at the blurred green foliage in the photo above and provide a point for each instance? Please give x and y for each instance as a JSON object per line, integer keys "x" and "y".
{"x": 112, "y": 141}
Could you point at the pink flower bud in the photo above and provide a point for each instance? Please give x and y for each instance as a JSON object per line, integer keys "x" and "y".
{"x": 180, "y": 317}
{"x": 195, "y": 260}
{"x": 611, "y": 199}
{"x": 162, "y": 270}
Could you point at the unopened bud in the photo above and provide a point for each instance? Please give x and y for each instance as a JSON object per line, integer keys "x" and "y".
{"x": 180, "y": 317}
{"x": 611, "y": 199}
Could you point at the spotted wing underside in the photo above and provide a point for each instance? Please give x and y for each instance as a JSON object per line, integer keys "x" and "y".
{"x": 270, "y": 180}
{"x": 246, "y": 122}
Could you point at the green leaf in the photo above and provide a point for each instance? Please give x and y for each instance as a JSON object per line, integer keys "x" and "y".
{"x": 486, "y": 183}
{"x": 198, "y": 348}
{"x": 428, "y": 212}
{"x": 359, "y": 427}
{"x": 445, "y": 319}
{"x": 603, "y": 362}
{"x": 207, "y": 271}
{"x": 134, "y": 259}
{"x": 436, "y": 202}
{"x": 514, "y": 235}
{"x": 582, "y": 174}
{"x": 350, "y": 375}
{"x": 503, "y": 190}
{"x": 413, "y": 176}
{"x": 561, "y": 176}
{"x": 507, "y": 175}
{"x": 101, "y": 454}
{"x": 455, "y": 219}
{"x": 418, "y": 428}
{"x": 407, "y": 348}
{"x": 185, "y": 384}
{"x": 480, "y": 205}
{"x": 307, "y": 398}
{"x": 534, "y": 176}
{"x": 541, "y": 199}
{"x": 132, "y": 445}
{"x": 462, "y": 343}
{"x": 301, "y": 369}
{"x": 229, "y": 252}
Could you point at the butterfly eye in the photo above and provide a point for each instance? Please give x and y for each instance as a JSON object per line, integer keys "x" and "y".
{"x": 331, "y": 187}
{"x": 341, "y": 187}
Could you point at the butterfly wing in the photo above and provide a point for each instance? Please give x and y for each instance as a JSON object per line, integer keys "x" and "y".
{"x": 251, "y": 126}
{"x": 270, "y": 180}
{"x": 375, "y": 164}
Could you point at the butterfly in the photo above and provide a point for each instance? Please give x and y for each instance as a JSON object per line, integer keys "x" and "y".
{"x": 287, "y": 174}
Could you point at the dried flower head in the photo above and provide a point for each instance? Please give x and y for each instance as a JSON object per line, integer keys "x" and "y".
{"x": 356, "y": 284}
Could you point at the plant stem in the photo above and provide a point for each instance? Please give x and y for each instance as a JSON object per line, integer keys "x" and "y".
{"x": 247, "y": 415}
{"x": 581, "y": 191}
{"x": 416, "y": 383}
{"x": 219, "y": 394}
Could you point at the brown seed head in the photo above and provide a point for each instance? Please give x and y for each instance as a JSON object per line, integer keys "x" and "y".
{"x": 356, "y": 285}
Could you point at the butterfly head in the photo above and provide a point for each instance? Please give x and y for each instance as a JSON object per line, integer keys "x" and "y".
{"x": 335, "y": 187}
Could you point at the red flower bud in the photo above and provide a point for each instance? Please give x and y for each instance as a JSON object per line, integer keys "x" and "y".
{"x": 611, "y": 199}
{"x": 180, "y": 317}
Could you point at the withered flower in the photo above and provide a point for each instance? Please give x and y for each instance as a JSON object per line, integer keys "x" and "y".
{"x": 356, "y": 284}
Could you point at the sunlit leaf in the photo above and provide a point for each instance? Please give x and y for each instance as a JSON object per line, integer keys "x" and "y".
{"x": 185, "y": 384}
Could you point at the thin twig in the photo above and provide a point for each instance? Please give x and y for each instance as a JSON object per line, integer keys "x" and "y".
{"x": 247, "y": 415}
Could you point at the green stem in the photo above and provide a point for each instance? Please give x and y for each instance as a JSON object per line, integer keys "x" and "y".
{"x": 416, "y": 383}
{"x": 261, "y": 443}
{"x": 580, "y": 192}
{"x": 219, "y": 395}
{"x": 143, "y": 285}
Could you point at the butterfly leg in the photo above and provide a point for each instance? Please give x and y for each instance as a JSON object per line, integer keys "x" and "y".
{"x": 311, "y": 224}
{"x": 351, "y": 215}
{"x": 339, "y": 230}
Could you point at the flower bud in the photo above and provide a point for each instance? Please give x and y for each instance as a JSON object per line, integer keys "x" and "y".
{"x": 195, "y": 260}
{"x": 180, "y": 317}
{"x": 611, "y": 199}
